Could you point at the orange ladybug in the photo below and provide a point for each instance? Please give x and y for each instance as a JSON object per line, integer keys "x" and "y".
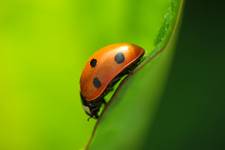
{"x": 103, "y": 69}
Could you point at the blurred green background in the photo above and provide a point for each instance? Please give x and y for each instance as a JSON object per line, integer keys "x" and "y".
{"x": 44, "y": 45}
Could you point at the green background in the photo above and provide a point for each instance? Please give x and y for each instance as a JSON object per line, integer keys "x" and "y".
{"x": 43, "y": 48}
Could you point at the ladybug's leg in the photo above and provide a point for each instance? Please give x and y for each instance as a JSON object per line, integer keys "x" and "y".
{"x": 103, "y": 101}
{"x": 96, "y": 116}
{"x": 130, "y": 69}
{"x": 110, "y": 88}
{"x": 127, "y": 71}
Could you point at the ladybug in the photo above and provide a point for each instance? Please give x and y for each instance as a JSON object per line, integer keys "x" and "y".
{"x": 103, "y": 69}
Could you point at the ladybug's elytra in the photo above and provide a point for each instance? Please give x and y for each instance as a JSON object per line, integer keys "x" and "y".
{"x": 103, "y": 69}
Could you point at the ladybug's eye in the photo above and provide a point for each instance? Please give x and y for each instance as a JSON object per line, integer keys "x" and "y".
{"x": 119, "y": 58}
{"x": 93, "y": 63}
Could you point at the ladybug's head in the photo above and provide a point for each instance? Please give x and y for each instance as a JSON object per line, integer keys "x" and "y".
{"x": 91, "y": 108}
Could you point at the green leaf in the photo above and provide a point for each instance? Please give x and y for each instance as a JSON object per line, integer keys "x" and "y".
{"x": 130, "y": 112}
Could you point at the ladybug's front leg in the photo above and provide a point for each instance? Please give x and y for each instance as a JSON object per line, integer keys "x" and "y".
{"x": 96, "y": 116}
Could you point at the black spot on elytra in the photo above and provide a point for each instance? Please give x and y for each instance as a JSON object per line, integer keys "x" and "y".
{"x": 93, "y": 63}
{"x": 96, "y": 82}
{"x": 119, "y": 58}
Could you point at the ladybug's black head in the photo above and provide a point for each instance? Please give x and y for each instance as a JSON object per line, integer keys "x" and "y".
{"x": 91, "y": 108}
